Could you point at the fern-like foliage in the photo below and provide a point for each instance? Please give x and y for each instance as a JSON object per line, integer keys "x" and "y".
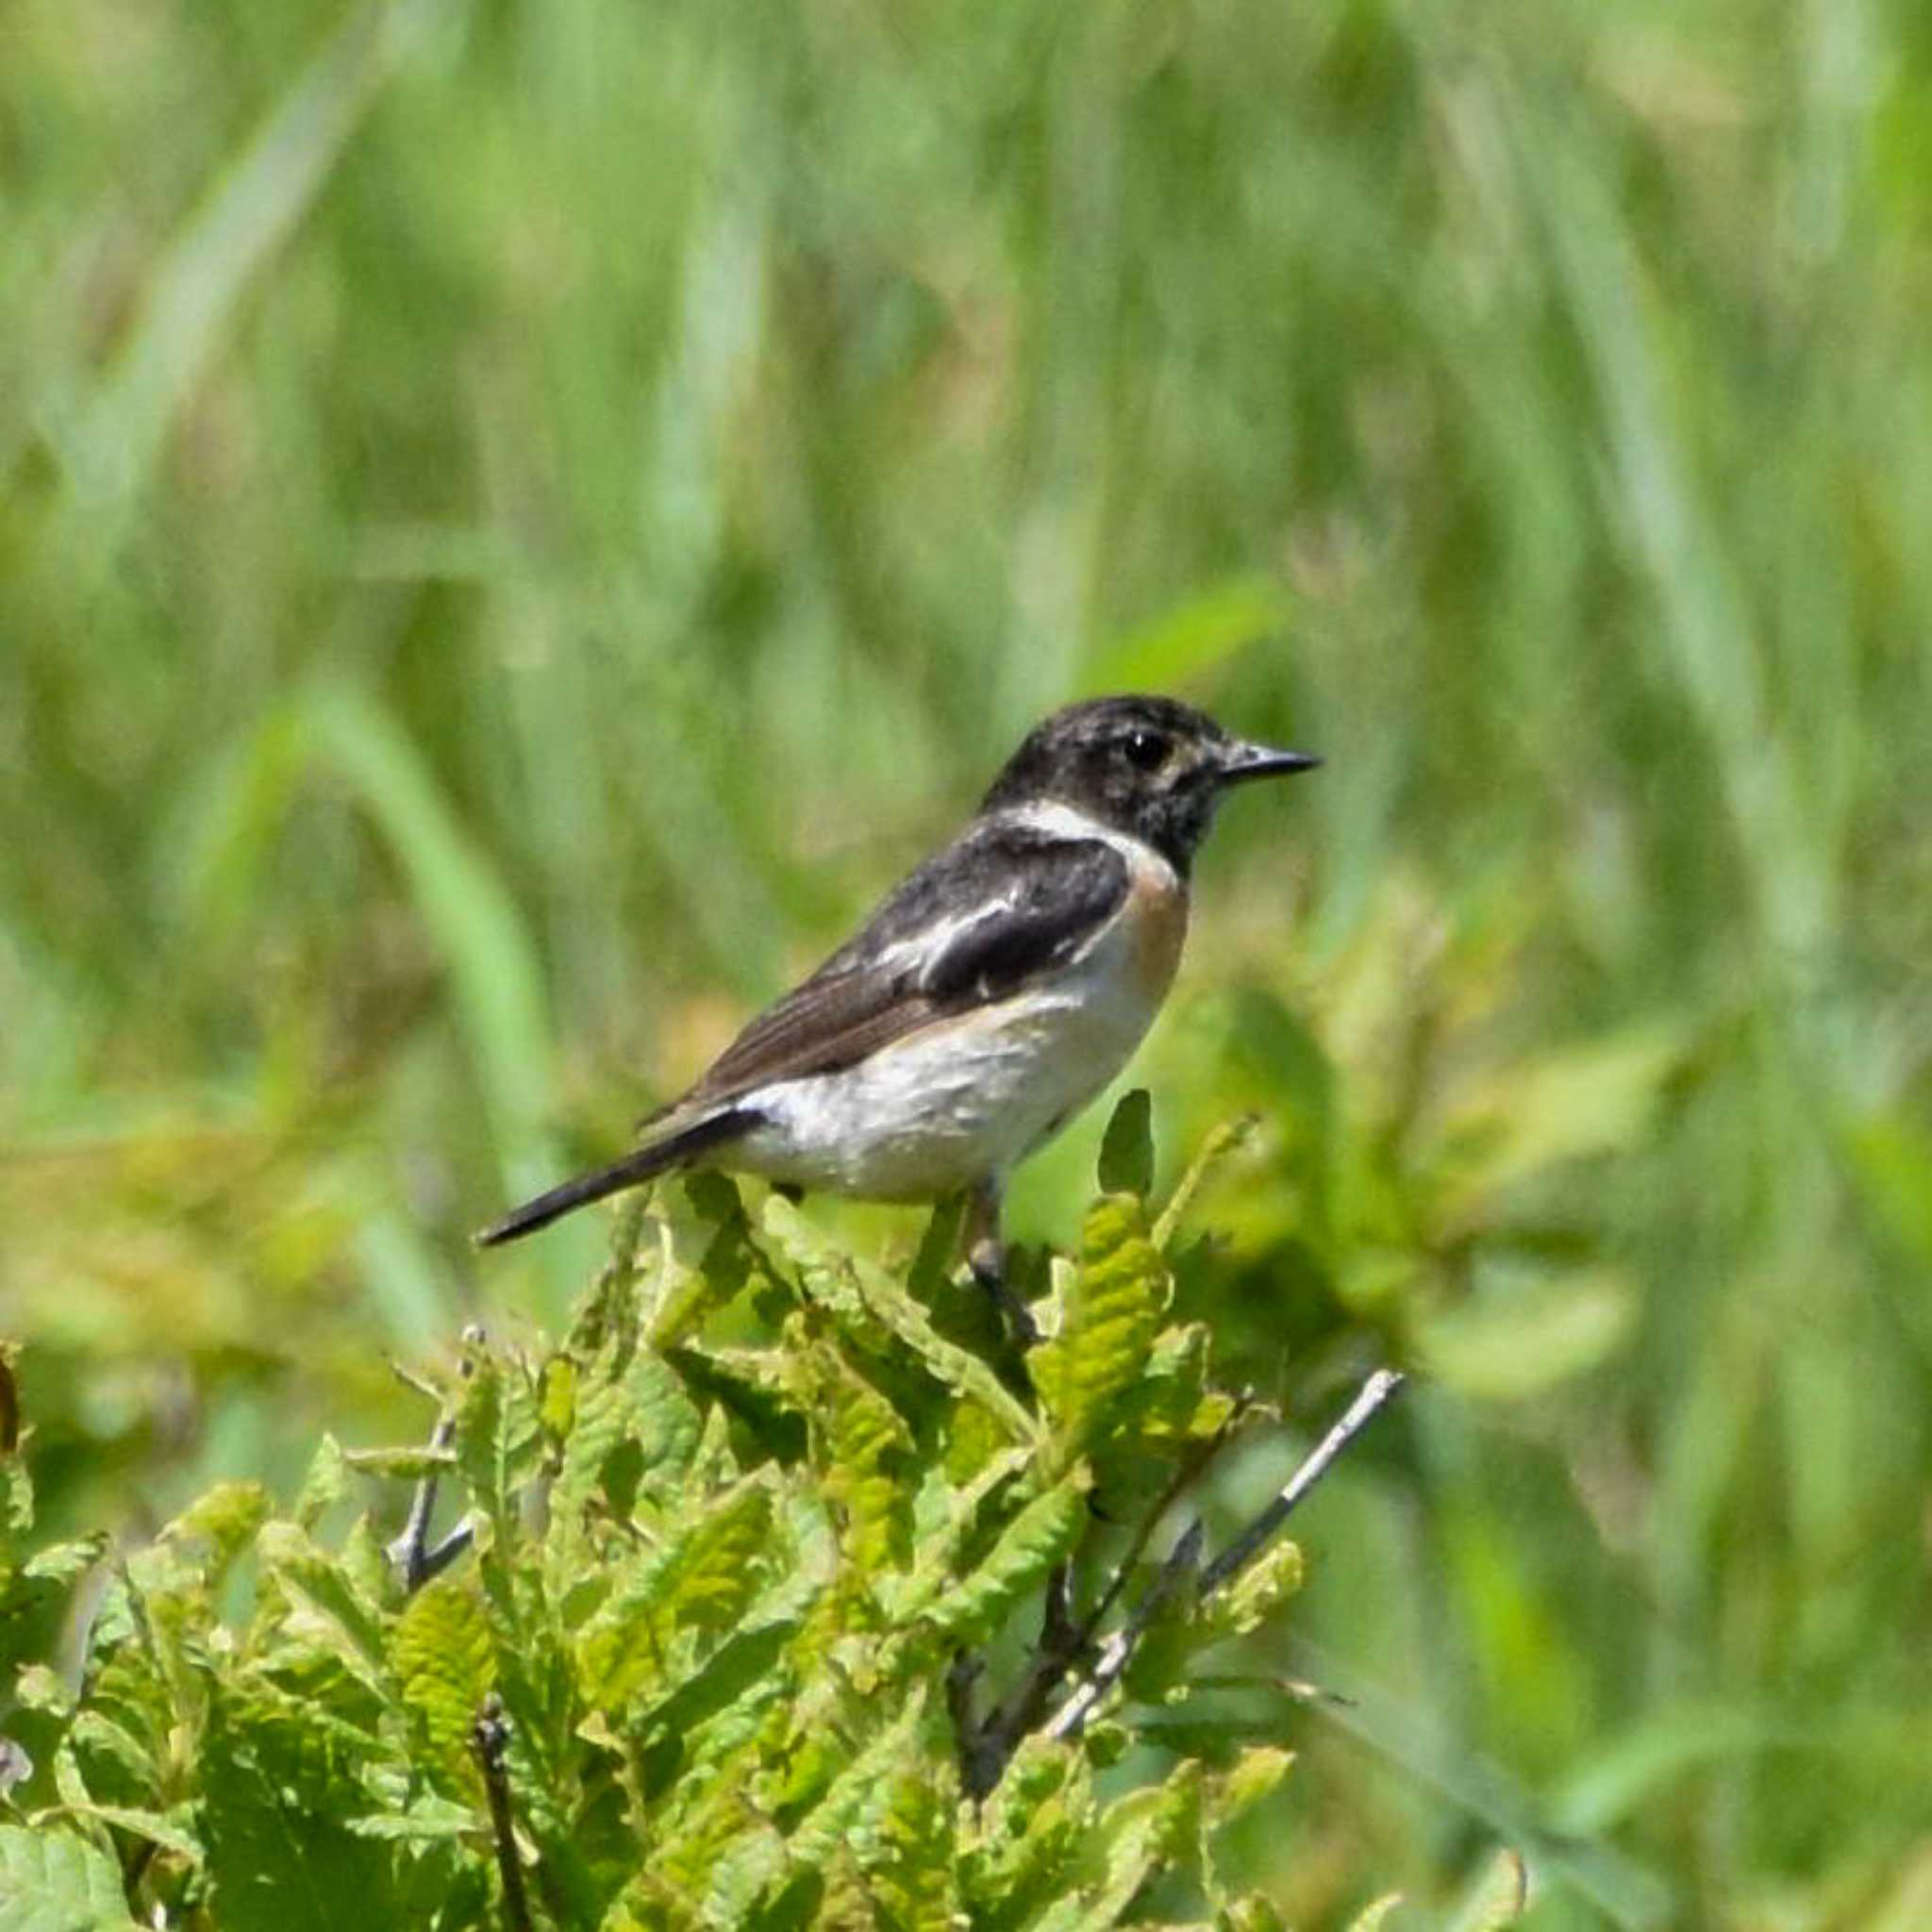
{"x": 736, "y": 1606}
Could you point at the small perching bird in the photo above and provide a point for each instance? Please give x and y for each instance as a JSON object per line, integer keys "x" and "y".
{"x": 988, "y": 997}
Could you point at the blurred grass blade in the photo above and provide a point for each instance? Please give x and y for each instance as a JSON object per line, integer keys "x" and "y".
{"x": 236, "y": 821}
{"x": 1182, "y": 647}
{"x": 265, "y": 193}
{"x": 465, "y": 908}
{"x": 1709, "y": 643}
{"x": 405, "y": 1284}
{"x": 1627, "y": 1893}
{"x": 1608, "y": 1788}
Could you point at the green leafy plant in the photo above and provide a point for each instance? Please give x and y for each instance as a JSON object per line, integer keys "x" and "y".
{"x": 783, "y": 1595}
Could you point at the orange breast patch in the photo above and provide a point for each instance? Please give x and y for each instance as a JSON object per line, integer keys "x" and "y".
{"x": 1157, "y": 917}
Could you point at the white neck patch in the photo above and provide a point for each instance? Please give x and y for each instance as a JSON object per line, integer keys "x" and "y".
{"x": 1060, "y": 821}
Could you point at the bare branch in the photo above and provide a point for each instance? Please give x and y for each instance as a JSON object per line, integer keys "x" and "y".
{"x": 1118, "y": 1652}
{"x": 1185, "y": 1478}
{"x": 409, "y": 1555}
{"x": 1373, "y": 1395}
{"x": 490, "y": 1741}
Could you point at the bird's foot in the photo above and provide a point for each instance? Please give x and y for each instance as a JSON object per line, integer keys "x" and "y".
{"x": 988, "y": 1261}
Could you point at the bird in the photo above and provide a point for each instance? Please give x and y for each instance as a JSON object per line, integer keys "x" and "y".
{"x": 986, "y": 1000}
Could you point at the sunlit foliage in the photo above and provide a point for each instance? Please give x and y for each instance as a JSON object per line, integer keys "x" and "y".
{"x": 517, "y": 520}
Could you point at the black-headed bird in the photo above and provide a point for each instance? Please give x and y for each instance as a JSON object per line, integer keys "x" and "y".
{"x": 988, "y": 997}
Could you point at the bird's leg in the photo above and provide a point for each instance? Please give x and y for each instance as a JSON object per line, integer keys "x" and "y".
{"x": 986, "y": 1254}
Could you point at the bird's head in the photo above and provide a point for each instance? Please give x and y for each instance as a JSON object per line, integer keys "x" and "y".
{"x": 1149, "y": 766}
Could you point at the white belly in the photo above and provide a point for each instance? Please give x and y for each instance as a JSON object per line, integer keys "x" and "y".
{"x": 961, "y": 1100}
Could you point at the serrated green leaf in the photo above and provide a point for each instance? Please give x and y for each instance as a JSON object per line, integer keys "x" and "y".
{"x": 1219, "y": 1143}
{"x": 409, "y": 1463}
{"x": 335, "y": 1615}
{"x": 222, "y": 1522}
{"x": 427, "y": 1818}
{"x": 600, "y": 1420}
{"x": 739, "y": 1872}
{"x": 1498, "y": 1898}
{"x": 16, "y": 1494}
{"x": 1044, "y": 1533}
{"x": 1253, "y": 1775}
{"x": 757, "y": 1388}
{"x": 862, "y": 1438}
{"x": 156, "y": 1615}
{"x": 650, "y": 1903}
{"x": 1172, "y": 1406}
{"x": 702, "y": 1580}
{"x": 743, "y": 1661}
{"x": 1375, "y": 1914}
{"x": 498, "y": 1437}
{"x": 60, "y": 1564}
{"x": 1036, "y": 1840}
{"x": 1244, "y": 1604}
{"x": 111, "y": 1756}
{"x": 325, "y": 1485}
{"x": 829, "y": 1273}
{"x": 955, "y": 1523}
{"x": 279, "y": 1780}
{"x": 445, "y": 1665}
{"x": 56, "y": 1881}
{"x": 171, "y": 1832}
{"x": 1111, "y": 1311}
{"x": 953, "y": 1367}
{"x": 903, "y": 1843}
{"x": 871, "y": 1306}
{"x": 668, "y": 1426}
{"x": 1146, "y": 1831}
{"x": 1127, "y": 1149}
{"x": 861, "y": 1787}
{"x": 687, "y": 1297}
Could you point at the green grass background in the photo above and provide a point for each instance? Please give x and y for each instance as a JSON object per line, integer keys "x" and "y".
{"x": 517, "y": 520}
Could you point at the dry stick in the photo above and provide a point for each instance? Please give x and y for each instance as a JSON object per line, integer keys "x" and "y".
{"x": 1119, "y": 1650}
{"x": 1188, "y": 1472}
{"x": 1373, "y": 1396}
{"x": 489, "y": 1740}
{"x": 412, "y": 1559}
{"x": 985, "y": 1750}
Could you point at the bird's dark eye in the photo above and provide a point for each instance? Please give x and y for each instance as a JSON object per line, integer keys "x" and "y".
{"x": 1146, "y": 750}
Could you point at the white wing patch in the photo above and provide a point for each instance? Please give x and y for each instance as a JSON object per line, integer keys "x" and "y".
{"x": 919, "y": 953}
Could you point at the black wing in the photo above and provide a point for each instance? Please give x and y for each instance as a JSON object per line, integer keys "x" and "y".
{"x": 1000, "y": 906}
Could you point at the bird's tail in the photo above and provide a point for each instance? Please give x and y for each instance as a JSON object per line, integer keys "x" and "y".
{"x": 654, "y": 1157}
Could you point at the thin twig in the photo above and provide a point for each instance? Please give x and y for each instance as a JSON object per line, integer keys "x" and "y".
{"x": 962, "y": 1673}
{"x": 1373, "y": 1395}
{"x": 489, "y": 1740}
{"x": 984, "y": 1752}
{"x": 1118, "y": 1651}
{"x": 1063, "y": 1642}
{"x": 1190, "y": 1471}
{"x": 409, "y": 1555}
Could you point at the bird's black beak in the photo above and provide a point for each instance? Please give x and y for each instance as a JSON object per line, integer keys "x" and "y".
{"x": 1241, "y": 761}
